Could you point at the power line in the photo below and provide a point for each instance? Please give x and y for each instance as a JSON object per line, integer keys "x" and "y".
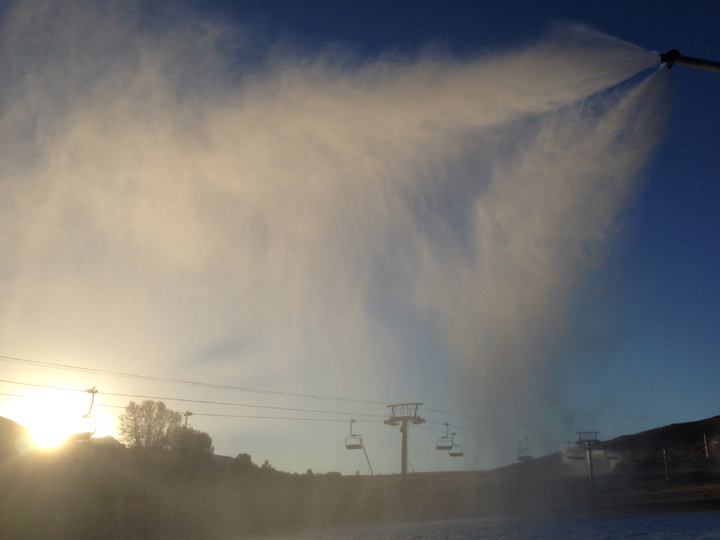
{"x": 252, "y": 390}
{"x": 182, "y": 381}
{"x": 205, "y": 402}
{"x": 485, "y": 434}
{"x": 295, "y": 409}
{"x": 343, "y": 420}
{"x": 497, "y": 437}
{"x": 55, "y": 400}
{"x": 43, "y": 386}
{"x": 538, "y": 428}
{"x": 258, "y": 417}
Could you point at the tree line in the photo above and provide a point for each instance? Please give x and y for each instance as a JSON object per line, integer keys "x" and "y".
{"x": 152, "y": 426}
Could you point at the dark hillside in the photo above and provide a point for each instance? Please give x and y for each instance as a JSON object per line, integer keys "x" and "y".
{"x": 684, "y": 440}
{"x": 14, "y": 438}
{"x": 100, "y": 489}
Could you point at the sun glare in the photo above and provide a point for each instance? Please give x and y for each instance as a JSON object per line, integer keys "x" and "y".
{"x": 50, "y": 419}
{"x": 48, "y": 433}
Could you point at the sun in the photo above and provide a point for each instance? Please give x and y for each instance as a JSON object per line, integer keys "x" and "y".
{"x": 48, "y": 432}
{"x": 49, "y": 418}
{"x": 48, "y": 426}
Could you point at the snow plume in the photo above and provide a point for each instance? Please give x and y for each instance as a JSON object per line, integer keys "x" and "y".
{"x": 179, "y": 203}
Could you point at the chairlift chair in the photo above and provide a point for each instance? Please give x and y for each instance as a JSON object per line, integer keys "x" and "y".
{"x": 456, "y": 450}
{"x": 87, "y": 424}
{"x": 524, "y": 452}
{"x": 611, "y": 455}
{"x": 85, "y": 429}
{"x": 444, "y": 443}
{"x": 353, "y": 441}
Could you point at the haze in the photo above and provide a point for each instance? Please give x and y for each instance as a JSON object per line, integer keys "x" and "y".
{"x": 179, "y": 201}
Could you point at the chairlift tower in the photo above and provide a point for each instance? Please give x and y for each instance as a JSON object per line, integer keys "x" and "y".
{"x": 404, "y": 413}
{"x": 588, "y": 439}
{"x": 667, "y": 448}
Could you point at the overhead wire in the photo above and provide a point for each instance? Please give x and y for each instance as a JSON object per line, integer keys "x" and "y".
{"x": 260, "y": 417}
{"x": 524, "y": 426}
{"x": 273, "y": 417}
{"x": 466, "y": 432}
{"x": 104, "y": 405}
{"x": 486, "y": 435}
{"x": 182, "y": 381}
{"x": 55, "y": 400}
{"x": 258, "y": 391}
{"x": 205, "y": 402}
{"x": 481, "y": 435}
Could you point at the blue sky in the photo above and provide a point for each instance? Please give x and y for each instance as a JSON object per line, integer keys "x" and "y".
{"x": 294, "y": 198}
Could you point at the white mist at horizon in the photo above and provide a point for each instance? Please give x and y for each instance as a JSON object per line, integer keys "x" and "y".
{"x": 398, "y": 230}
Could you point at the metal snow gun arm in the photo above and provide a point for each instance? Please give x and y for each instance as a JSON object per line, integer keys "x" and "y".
{"x": 673, "y": 57}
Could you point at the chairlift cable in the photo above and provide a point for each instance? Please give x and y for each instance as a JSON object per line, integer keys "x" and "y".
{"x": 194, "y": 414}
{"x": 252, "y": 390}
{"x": 470, "y": 417}
{"x": 271, "y": 392}
{"x": 488, "y": 434}
{"x": 206, "y": 402}
{"x": 272, "y": 417}
{"x": 108, "y": 406}
{"x": 183, "y": 381}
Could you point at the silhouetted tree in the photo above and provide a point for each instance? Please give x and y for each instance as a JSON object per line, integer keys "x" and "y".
{"x": 244, "y": 459}
{"x": 243, "y": 464}
{"x": 148, "y": 425}
{"x": 187, "y": 440}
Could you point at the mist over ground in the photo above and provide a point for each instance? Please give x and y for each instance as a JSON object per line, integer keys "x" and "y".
{"x": 180, "y": 201}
